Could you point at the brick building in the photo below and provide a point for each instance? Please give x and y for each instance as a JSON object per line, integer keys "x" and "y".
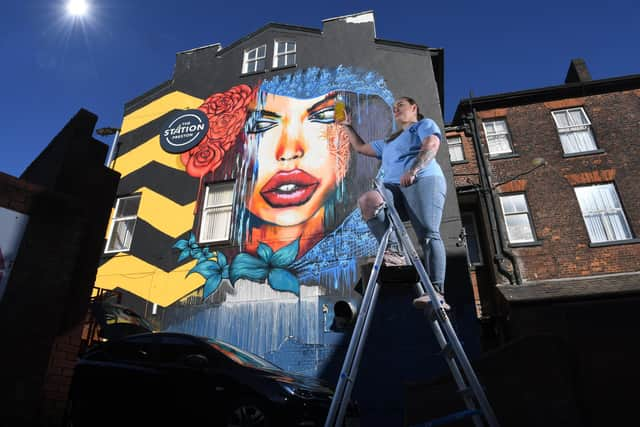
{"x": 546, "y": 181}
{"x": 57, "y": 212}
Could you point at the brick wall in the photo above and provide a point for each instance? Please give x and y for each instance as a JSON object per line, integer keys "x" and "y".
{"x": 67, "y": 192}
{"x": 64, "y": 354}
{"x": 33, "y": 304}
{"x": 564, "y": 249}
{"x": 17, "y": 195}
{"x": 465, "y": 173}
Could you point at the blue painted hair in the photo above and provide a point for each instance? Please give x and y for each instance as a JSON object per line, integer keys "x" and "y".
{"x": 313, "y": 82}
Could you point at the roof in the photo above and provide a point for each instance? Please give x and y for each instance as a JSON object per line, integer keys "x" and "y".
{"x": 548, "y": 93}
{"x": 437, "y": 57}
{"x": 269, "y": 26}
{"x": 576, "y": 288}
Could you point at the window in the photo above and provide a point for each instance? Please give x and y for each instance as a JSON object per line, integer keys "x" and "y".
{"x": 240, "y": 356}
{"x": 216, "y": 213}
{"x": 574, "y": 129}
{"x": 455, "y": 149}
{"x": 517, "y": 219}
{"x": 123, "y": 224}
{"x": 602, "y": 213}
{"x": 284, "y": 53}
{"x": 174, "y": 349}
{"x": 254, "y": 60}
{"x": 471, "y": 236}
{"x": 498, "y": 139}
{"x": 135, "y": 350}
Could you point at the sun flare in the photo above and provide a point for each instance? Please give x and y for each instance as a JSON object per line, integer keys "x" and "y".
{"x": 77, "y": 8}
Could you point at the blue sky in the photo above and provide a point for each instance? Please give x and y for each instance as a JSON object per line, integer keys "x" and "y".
{"x": 52, "y": 65}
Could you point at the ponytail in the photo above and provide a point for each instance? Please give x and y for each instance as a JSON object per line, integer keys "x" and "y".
{"x": 393, "y": 136}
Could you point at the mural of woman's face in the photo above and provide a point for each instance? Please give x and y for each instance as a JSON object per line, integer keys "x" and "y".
{"x": 300, "y": 158}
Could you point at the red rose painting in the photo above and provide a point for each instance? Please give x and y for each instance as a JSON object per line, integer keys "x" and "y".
{"x": 227, "y": 113}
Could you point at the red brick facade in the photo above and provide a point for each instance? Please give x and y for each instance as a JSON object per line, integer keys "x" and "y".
{"x": 64, "y": 354}
{"x": 561, "y": 247}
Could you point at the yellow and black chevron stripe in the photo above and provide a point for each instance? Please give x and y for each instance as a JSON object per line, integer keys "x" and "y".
{"x": 166, "y": 214}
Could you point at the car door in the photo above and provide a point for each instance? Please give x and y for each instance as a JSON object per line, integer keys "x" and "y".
{"x": 120, "y": 377}
{"x": 193, "y": 376}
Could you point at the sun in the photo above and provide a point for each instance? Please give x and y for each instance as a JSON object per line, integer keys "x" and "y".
{"x": 77, "y": 8}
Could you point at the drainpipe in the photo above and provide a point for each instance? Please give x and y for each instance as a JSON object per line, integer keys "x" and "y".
{"x": 490, "y": 198}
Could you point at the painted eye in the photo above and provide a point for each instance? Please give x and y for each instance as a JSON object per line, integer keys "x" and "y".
{"x": 326, "y": 115}
{"x": 261, "y": 125}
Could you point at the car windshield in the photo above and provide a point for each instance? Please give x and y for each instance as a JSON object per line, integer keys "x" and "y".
{"x": 242, "y": 357}
{"x": 126, "y": 315}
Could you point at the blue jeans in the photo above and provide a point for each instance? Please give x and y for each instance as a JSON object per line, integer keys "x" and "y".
{"x": 422, "y": 203}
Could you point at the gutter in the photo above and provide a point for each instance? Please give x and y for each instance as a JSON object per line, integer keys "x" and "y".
{"x": 490, "y": 198}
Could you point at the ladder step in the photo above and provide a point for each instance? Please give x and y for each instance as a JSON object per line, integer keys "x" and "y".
{"x": 447, "y": 351}
{"x": 456, "y": 416}
{"x": 402, "y": 274}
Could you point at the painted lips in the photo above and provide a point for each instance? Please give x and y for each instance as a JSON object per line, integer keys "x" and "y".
{"x": 289, "y": 188}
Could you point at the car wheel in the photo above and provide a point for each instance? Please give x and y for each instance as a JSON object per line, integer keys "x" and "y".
{"x": 248, "y": 413}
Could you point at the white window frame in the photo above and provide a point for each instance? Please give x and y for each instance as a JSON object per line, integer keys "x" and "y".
{"x": 506, "y": 215}
{"x": 250, "y": 64}
{"x": 455, "y": 143}
{"x": 117, "y": 220}
{"x": 495, "y": 135}
{"x": 225, "y": 207}
{"x": 287, "y": 54}
{"x": 581, "y": 132}
{"x": 602, "y": 218}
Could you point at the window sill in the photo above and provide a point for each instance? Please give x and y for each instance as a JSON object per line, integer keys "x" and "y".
{"x": 526, "y": 244}
{"x": 459, "y": 162}
{"x": 614, "y": 243}
{"x": 253, "y": 73}
{"x": 504, "y": 156}
{"x": 216, "y": 243}
{"x": 286, "y": 67}
{"x": 583, "y": 153}
{"x": 112, "y": 252}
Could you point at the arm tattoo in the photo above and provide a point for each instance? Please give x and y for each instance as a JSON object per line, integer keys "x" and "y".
{"x": 422, "y": 160}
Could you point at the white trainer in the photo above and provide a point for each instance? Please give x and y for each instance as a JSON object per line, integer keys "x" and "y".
{"x": 422, "y": 301}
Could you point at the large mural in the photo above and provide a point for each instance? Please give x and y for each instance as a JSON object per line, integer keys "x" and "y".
{"x": 297, "y": 237}
{"x": 296, "y": 183}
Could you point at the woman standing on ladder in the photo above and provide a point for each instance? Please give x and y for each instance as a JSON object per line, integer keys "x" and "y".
{"x": 413, "y": 182}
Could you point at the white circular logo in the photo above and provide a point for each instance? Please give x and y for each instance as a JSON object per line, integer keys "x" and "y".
{"x": 183, "y": 131}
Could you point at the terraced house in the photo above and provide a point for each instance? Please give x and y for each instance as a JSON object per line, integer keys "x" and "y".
{"x": 547, "y": 185}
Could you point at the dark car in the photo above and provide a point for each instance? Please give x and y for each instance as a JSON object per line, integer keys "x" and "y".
{"x": 165, "y": 378}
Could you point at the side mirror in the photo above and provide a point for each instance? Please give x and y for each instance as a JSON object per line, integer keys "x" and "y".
{"x": 198, "y": 361}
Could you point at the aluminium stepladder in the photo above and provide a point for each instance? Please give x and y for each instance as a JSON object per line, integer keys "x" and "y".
{"x": 472, "y": 393}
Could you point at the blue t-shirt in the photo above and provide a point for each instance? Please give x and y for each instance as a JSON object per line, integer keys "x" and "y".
{"x": 398, "y": 155}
